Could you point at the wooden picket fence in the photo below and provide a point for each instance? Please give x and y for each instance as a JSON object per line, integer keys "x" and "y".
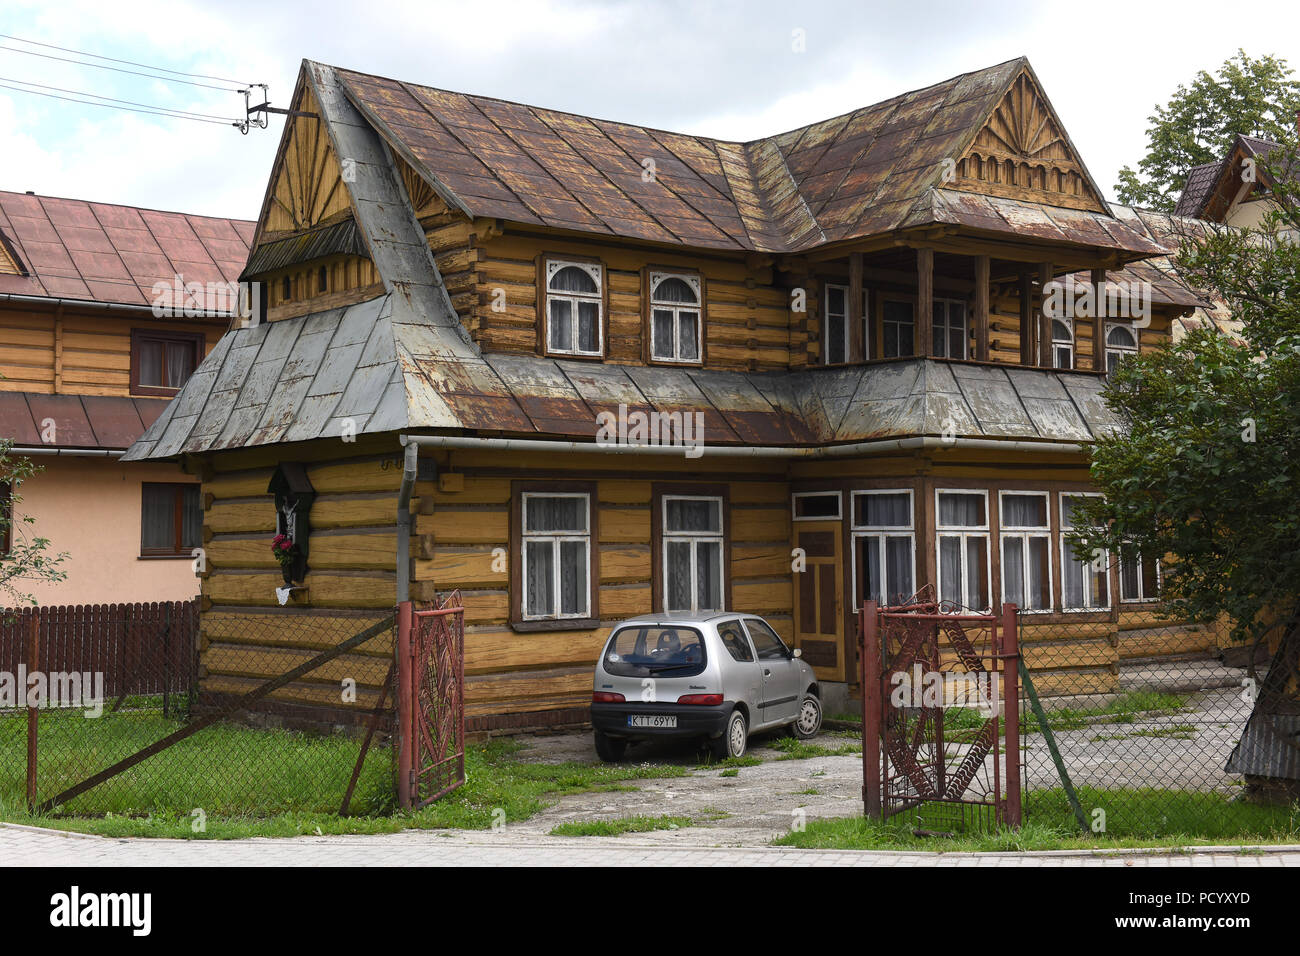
{"x": 144, "y": 648}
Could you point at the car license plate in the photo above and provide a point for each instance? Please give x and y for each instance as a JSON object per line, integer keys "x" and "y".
{"x": 651, "y": 720}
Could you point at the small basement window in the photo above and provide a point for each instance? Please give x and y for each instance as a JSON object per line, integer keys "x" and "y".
{"x": 816, "y": 505}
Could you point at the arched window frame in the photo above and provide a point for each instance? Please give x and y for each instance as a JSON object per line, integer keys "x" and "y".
{"x": 1063, "y": 344}
{"x": 553, "y": 267}
{"x": 678, "y": 310}
{"x": 1118, "y": 352}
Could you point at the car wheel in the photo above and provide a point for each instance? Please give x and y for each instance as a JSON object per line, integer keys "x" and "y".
{"x": 809, "y": 719}
{"x": 610, "y": 749}
{"x": 734, "y": 739}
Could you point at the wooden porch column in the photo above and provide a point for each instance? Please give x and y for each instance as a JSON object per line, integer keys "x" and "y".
{"x": 1044, "y": 320}
{"x": 1098, "y": 323}
{"x": 924, "y": 301}
{"x": 1027, "y": 324}
{"x": 982, "y": 308}
{"x": 858, "y": 349}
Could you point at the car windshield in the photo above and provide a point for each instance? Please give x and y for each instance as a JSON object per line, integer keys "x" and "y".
{"x": 658, "y": 650}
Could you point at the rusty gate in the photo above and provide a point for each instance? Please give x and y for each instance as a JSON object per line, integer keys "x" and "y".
{"x": 940, "y": 691}
{"x": 430, "y": 701}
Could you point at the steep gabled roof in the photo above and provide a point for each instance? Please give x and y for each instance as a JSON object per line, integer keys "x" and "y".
{"x": 105, "y": 253}
{"x": 1211, "y": 187}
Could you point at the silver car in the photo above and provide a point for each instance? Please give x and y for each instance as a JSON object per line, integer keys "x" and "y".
{"x": 720, "y": 676}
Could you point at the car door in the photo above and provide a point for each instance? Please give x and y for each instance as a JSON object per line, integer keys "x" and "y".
{"x": 742, "y": 678}
{"x": 780, "y": 693}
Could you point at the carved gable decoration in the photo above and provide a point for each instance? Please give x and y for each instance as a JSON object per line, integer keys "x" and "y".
{"x": 308, "y": 188}
{"x": 1023, "y": 153}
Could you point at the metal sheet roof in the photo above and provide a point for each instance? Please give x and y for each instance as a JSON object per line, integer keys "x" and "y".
{"x": 78, "y": 421}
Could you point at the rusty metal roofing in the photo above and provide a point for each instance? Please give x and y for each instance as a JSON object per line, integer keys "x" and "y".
{"x": 76, "y": 421}
{"x": 864, "y": 173}
{"x": 342, "y": 238}
{"x": 99, "y": 252}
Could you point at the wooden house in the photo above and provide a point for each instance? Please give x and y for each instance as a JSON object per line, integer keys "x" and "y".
{"x": 90, "y": 353}
{"x": 464, "y": 293}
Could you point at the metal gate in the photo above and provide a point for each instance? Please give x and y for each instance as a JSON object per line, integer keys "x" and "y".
{"x": 939, "y": 691}
{"x": 430, "y": 701}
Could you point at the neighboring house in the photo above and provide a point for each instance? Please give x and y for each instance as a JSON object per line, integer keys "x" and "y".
{"x": 1235, "y": 190}
{"x": 86, "y": 366}
{"x": 854, "y": 310}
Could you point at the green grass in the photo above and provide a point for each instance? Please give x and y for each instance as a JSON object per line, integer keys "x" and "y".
{"x": 794, "y": 749}
{"x": 1176, "y": 731}
{"x": 253, "y": 782}
{"x": 746, "y": 760}
{"x": 730, "y": 772}
{"x": 1134, "y": 818}
{"x": 634, "y": 824}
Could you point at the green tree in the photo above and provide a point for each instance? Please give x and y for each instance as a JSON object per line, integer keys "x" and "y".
{"x": 28, "y": 558}
{"x": 1254, "y": 97}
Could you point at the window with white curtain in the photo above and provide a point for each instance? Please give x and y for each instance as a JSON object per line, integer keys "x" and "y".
{"x": 1121, "y": 342}
{"x": 962, "y": 546}
{"x": 556, "y": 546}
{"x": 573, "y": 306}
{"x": 1139, "y": 576}
{"x": 1062, "y": 344}
{"x": 836, "y": 331}
{"x": 949, "y": 334}
{"x": 884, "y": 547}
{"x": 692, "y": 553}
{"x": 1026, "y": 539}
{"x": 675, "y": 317}
{"x": 1085, "y": 585}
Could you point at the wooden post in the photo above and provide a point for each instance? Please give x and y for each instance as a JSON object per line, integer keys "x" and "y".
{"x": 1098, "y": 323}
{"x": 1027, "y": 325}
{"x": 858, "y": 348}
{"x": 871, "y": 710}
{"x": 33, "y": 725}
{"x": 405, "y": 707}
{"x": 925, "y": 302}
{"x": 982, "y": 308}
{"x": 1044, "y": 320}
{"x": 1011, "y": 710}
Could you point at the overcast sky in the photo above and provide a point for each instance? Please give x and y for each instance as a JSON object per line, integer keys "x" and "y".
{"x": 726, "y": 69}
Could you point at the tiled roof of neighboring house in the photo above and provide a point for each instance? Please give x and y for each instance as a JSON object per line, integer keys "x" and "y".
{"x": 864, "y": 173}
{"x": 104, "y": 253}
{"x": 33, "y": 419}
{"x": 1200, "y": 183}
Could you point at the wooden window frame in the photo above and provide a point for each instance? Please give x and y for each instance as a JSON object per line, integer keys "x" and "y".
{"x": 516, "y": 561}
{"x": 601, "y": 298}
{"x": 658, "y": 491}
{"x": 848, "y": 329}
{"x": 909, "y": 300}
{"x": 947, "y": 303}
{"x": 693, "y": 278}
{"x": 196, "y": 340}
{"x": 180, "y": 551}
{"x": 1068, "y": 559}
{"x": 794, "y": 505}
{"x": 1143, "y": 597}
{"x": 1024, "y": 533}
{"x": 880, "y": 533}
{"x": 984, "y": 531}
{"x": 1067, "y": 344}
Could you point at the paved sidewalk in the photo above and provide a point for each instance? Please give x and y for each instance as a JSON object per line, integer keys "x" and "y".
{"x": 31, "y": 846}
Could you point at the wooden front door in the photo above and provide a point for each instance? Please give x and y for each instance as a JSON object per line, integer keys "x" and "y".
{"x": 819, "y": 598}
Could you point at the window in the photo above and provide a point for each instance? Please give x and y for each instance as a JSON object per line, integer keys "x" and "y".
{"x": 6, "y": 517}
{"x": 836, "y": 338}
{"x": 950, "y": 335}
{"x": 322, "y": 280}
{"x": 962, "y": 544}
{"x": 1085, "y": 585}
{"x": 1120, "y": 344}
{"x": 555, "y": 551}
{"x": 675, "y": 328}
{"x": 161, "y": 362}
{"x": 171, "y": 520}
{"x": 899, "y": 328}
{"x": 573, "y": 308}
{"x": 884, "y": 547}
{"x": 1026, "y": 550}
{"x": 1062, "y": 344}
{"x": 769, "y": 646}
{"x": 1139, "y": 576}
{"x": 656, "y": 650}
{"x": 692, "y": 553}
{"x": 734, "y": 640}
{"x": 816, "y": 505}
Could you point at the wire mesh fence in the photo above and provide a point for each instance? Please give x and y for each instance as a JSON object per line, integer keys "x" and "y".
{"x": 256, "y": 714}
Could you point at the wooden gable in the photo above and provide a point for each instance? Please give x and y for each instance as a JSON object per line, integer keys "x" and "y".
{"x": 8, "y": 261}
{"x": 1022, "y": 152}
{"x": 307, "y": 187}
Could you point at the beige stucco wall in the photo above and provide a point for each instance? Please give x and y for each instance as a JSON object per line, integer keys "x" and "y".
{"x": 90, "y": 507}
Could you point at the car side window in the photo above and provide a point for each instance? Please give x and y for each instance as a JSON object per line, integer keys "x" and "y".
{"x": 766, "y": 642}
{"x": 734, "y": 640}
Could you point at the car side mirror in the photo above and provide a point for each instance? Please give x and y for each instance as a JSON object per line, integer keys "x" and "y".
{"x": 797, "y": 652}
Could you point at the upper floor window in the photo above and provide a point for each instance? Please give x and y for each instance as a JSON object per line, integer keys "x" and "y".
{"x": 171, "y": 519}
{"x": 1121, "y": 342}
{"x": 836, "y": 328}
{"x": 675, "y": 328}
{"x": 574, "y": 297}
{"x": 951, "y": 337}
{"x": 899, "y": 328}
{"x": 1062, "y": 344}
{"x": 161, "y": 362}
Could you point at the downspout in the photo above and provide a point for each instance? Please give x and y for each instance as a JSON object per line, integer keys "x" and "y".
{"x": 409, "y": 470}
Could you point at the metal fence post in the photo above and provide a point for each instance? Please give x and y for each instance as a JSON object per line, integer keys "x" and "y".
{"x": 871, "y": 710}
{"x": 1011, "y": 709}
{"x": 33, "y": 665}
{"x": 405, "y": 706}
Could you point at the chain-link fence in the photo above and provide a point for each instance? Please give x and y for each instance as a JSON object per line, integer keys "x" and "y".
{"x": 249, "y": 713}
{"x": 1142, "y": 718}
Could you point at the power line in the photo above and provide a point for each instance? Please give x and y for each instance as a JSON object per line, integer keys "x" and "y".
{"x": 111, "y": 106}
{"x": 146, "y": 66}
{"x": 180, "y": 114}
{"x": 116, "y": 69}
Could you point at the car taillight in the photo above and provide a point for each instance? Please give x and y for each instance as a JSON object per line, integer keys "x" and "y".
{"x": 605, "y": 697}
{"x": 705, "y": 699}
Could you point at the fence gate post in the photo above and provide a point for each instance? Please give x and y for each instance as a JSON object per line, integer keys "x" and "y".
{"x": 33, "y": 665}
{"x": 405, "y": 706}
{"x": 1011, "y": 709}
{"x": 871, "y": 709}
